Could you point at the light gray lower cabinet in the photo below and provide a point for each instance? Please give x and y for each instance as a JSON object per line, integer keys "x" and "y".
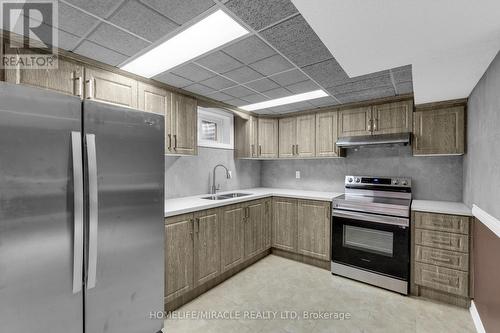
{"x": 232, "y": 236}
{"x": 441, "y": 257}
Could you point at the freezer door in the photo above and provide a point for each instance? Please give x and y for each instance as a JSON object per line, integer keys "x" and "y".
{"x": 125, "y": 176}
{"x": 37, "y": 220}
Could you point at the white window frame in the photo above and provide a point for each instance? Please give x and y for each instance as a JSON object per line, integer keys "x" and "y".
{"x": 225, "y": 127}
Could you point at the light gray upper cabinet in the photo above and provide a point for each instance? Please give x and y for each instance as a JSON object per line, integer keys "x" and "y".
{"x": 327, "y": 134}
{"x": 268, "y": 138}
{"x": 181, "y": 125}
{"x": 67, "y": 79}
{"x": 439, "y": 131}
{"x": 152, "y": 99}
{"x": 246, "y": 135}
{"x": 297, "y": 136}
{"x": 387, "y": 118}
{"x": 108, "y": 87}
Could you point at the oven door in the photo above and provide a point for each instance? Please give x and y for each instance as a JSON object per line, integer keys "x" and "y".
{"x": 372, "y": 242}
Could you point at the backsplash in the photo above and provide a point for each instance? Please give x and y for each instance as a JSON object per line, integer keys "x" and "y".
{"x": 433, "y": 178}
{"x": 185, "y": 176}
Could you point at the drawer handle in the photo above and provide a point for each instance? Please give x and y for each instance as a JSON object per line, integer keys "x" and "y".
{"x": 441, "y": 281}
{"x": 445, "y": 260}
{"x": 443, "y": 224}
{"x": 437, "y": 241}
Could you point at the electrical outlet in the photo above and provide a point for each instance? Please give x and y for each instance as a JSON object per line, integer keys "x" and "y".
{"x": 297, "y": 174}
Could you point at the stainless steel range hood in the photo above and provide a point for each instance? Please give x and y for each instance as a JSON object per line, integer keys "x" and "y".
{"x": 401, "y": 139}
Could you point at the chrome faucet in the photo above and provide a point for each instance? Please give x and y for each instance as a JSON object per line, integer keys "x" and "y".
{"x": 228, "y": 176}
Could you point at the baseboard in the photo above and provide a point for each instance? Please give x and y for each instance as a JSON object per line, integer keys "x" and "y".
{"x": 325, "y": 264}
{"x": 476, "y": 318}
{"x": 488, "y": 220}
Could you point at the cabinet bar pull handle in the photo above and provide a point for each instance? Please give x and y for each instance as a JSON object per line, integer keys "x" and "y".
{"x": 260, "y": 150}
{"x": 175, "y": 141}
{"x": 197, "y": 225}
{"x": 90, "y": 88}
{"x": 169, "y": 141}
{"x": 445, "y": 260}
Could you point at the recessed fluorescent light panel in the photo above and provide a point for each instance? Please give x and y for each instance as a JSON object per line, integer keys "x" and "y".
{"x": 213, "y": 31}
{"x": 285, "y": 100}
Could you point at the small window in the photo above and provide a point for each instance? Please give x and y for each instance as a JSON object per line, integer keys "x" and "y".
{"x": 215, "y": 128}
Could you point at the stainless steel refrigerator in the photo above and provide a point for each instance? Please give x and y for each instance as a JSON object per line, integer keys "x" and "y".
{"x": 81, "y": 215}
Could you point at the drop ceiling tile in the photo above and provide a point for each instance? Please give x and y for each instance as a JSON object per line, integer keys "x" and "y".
{"x": 73, "y": 20}
{"x": 249, "y": 50}
{"x": 143, "y": 21}
{"x": 271, "y": 65}
{"x": 117, "y": 40}
{"x": 219, "y": 62}
{"x": 236, "y": 102}
{"x": 218, "y": 83}
{"x": 302, "y": 87}
{"x": 297, "y": 41}
{"x": 199, "y": 89}
{"x": 238, "y": 91}
{"x": 261, "y": 13}
{"x": 66, "y": 40}
{"x": 96, "y": 7}
{"x": 404, "y": 87}
{"x": 363, "y": 83}
{"x": 100, "y": 53}
{"x": 180, "y": 11}
{"x": 358, "y": 96}
{"x": 288, "y": 78}
{"x": 277, "y": 93}
{"x": 327, "y": 73}
{"x": 243, "y": 74}
{"x": 256, "y": 98}
{"x": 220, "y": 96}
{"x": 323, "y": 101}
{"x": 193, "y": 72}
{"x": 402, "y": 74}
{"x": 173, "y": 80}
{"x": 262, "y": 85}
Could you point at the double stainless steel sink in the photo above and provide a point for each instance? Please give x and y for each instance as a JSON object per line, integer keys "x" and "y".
{"x": 226, "y": 196}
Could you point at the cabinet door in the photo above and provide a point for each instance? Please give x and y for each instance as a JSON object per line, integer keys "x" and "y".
{"x": 206, "y": 246}
{"x": 439, "y": 132}
{"x": 326, "y": 134}
{"x": 287, "y": 136}
{"x": 184, "y": 125}
{"x": 179, "y": 264}
{"x": 254, "y": 136}
{"x": 108, "y": 87}
{"x": 254, "y": 228}
{"x": 355, "y": 122}
{"x": 392, "y": 117}
{"x": 284, "y": 231}
{"x": 268, "y": 138}
{"x": 152, "y": 99}
{"x": 245, "y": 137}
{"x": 232, "y": 236}
{"x": 67, "y": 79}
{"x": 314, "y": 229}
{"x": 306, "y": 136}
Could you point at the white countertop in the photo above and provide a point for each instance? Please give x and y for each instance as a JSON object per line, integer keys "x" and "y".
{"x": 441, "y": 207}
{"x": 194, "y": 203}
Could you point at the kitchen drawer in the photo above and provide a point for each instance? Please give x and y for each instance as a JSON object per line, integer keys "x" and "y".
{"x": 443, "y": 258}
{"x": 442, "y": 240}
{"x": 444, "y": 279}
{"x": 441, "y": 222}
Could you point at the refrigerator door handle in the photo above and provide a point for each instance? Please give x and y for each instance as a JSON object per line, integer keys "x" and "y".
{"x": 76, "y": 143}
{"x": 93, "y": 210}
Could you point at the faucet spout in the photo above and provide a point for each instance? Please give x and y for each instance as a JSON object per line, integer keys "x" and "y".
{"x": 214, "y": 188}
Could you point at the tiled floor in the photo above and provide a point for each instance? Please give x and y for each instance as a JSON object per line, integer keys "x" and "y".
{"x": 278, "y": 284}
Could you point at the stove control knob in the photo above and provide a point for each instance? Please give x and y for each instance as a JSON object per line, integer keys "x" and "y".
{"x": 349, "y": 179}
{"x": 404, "y": 183}
{"x": 395, "y": 182}
{"x": 358, "y": 180}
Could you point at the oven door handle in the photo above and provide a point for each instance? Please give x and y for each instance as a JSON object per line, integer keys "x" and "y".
{"x": 372, "y": 218}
